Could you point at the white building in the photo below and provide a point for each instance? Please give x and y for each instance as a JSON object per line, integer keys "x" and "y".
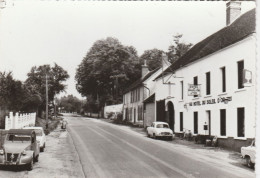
{"x": 217, "y": 65}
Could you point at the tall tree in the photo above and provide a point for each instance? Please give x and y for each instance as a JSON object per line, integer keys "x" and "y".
{"x": 178, "y": 48}
{"x": 70, "y": 103}
{"x": 153, "y": 58}
{"x": 107, "y": 69}
{"x": 37, "y": 81}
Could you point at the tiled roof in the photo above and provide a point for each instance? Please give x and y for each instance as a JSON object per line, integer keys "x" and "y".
{"x": 140, "y": 81}
{"x": 237, "y": 31}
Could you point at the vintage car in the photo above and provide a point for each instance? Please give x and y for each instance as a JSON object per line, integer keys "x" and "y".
{"x": 20, "y": 148}
{"x": 160, "y": 130}
{"x": 248, "y": 153}
{"x": 40, "y": 136}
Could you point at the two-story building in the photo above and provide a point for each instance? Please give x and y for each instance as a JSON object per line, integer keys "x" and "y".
{"x": 211, "y": 89}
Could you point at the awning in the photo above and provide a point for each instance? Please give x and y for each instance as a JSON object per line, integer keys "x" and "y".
{"x": 150, "y": 99}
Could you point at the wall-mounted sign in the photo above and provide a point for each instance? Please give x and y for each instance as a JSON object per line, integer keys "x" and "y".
{"x": 193, "y": 90}
{"x": 211, "y": 101}
{"x": 247, "y": 78}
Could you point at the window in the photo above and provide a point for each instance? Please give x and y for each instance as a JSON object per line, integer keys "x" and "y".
{"x": 223, "y": 71}
{"x": 240, "y": 68}
{"x": 181, "y": 121}
{"x": 240, "y": 122}
{"x": 195, "y": 82}
{"x": 208, "y": 83}
{"x": 195, "y": 117}
{"x": 182, "y": 90}
{"x": 223, "y": 122}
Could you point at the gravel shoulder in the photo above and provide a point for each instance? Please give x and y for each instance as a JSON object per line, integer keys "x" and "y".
{"x": 59, "y": 159}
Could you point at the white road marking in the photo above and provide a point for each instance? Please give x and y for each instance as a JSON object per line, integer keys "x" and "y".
{"x": 151, "y": 156}
{"x": 99, "y": 172}
{"x": 155, "y": 173}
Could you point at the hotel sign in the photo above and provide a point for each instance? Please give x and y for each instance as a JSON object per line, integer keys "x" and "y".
{"x": 211, "y": 101}
{"x": 193, "y": 90}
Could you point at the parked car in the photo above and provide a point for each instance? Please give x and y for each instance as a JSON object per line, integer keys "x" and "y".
{"x": 20, "y": 148}
{"x": 160, "y": 130}
{"x": 40, "y": 136}
{"x": 248, "y": 153}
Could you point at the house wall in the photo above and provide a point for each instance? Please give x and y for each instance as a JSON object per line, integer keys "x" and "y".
{"x": 245, "y": 97}
{"x": 149, "y": 115}
{"x": 131, "y": 106}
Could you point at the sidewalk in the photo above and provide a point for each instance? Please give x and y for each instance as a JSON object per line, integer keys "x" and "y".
{"x": 218, "y": 154}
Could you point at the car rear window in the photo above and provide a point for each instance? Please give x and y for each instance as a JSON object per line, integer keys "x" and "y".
{"x": 162, "y": 126}
{"x": 13, "y": 137}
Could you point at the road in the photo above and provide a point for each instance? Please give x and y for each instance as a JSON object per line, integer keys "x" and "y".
{"x": 108, "y": 150}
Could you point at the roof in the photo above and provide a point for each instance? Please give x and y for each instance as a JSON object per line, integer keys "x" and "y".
{"x": 237, "y": 31}
{"x": 140, "y": 81}
{"x": 150, "y": 99}
{"x": 21, "y": 131}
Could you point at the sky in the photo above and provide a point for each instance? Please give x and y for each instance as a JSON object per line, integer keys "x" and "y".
{"x": 35, "y": 32}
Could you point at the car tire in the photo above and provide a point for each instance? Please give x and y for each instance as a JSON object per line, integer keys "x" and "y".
{"x": 30, "y": 165}
{"x": 170, "y": 138}
{"x": 249, "y": 162}
{"x": 36, "y": 158}
{"x": 148, "y": 135}
{"x": 154, "y": 136}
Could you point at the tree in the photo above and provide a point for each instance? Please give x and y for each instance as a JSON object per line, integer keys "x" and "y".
{"x": 176, "y": 50}
{"x": 70, "y": 103}
{"x": 36, "y": 82}
{"x": 107, "y": 70}
{"x": 153, "y": 58}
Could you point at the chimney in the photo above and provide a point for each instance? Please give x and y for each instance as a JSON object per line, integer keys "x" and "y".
{"x": 233, "y": 11}
{"x": 165, "y": 61}
{"x": 145, "y": 69}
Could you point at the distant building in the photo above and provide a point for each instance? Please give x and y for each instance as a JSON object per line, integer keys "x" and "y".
{"x": 212, "y": 88}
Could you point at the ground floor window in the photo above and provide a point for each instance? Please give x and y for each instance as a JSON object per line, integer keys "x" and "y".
{"x": 223, "y": 122}
{"x": 140, "y": 113}
{"x": 240, "y": 122}
{"x": 195, "y": 117}
{"x": 130, "y": 114}
{"x": 126, "y": 114}
{"x": 181, "y": 121}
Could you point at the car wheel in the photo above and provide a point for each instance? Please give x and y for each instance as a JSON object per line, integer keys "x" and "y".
{"x": 154, "y": 136}
{"x": 148, "y": 135}
{"x": 36, "y": 159}
{"x": 170, "y": 138}
{"x": 30, "y": 165}
{"x": 249, "y": 162}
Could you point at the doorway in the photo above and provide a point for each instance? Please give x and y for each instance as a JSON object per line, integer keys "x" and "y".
{"x": 171, "y": 115}
{"x": 208, "y": 116}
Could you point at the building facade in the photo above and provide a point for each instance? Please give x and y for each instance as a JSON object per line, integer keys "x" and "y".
{"x": 220, "y": 70}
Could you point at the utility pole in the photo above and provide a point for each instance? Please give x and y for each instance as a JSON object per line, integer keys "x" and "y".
{"x": 46, "y": 101}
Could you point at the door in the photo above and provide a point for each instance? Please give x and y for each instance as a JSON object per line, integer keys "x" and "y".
{"x": 209, "y": 122}
{"x": 171, "y": 115}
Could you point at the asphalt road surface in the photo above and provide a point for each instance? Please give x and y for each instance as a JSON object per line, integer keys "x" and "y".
{"x": 107, "y": 150}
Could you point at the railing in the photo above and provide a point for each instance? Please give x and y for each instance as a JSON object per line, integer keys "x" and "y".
{"x": 19, "y": 120}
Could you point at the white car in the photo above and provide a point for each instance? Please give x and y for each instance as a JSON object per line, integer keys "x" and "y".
{"x": 248, "y": 153}
{"x": 160, "y": 130}
{"x": 40, "y": 136}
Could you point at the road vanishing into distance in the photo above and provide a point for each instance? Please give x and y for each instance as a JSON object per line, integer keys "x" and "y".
{"x": 110, "y": 151}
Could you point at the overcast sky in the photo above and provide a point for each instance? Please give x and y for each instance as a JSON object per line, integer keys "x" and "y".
{"x": 43, "y": 32}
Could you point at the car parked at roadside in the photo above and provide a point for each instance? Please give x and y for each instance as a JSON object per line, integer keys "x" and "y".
{"x": 248, "y": 153}
{"x": 20, "y": 148}
{"x": 40, "y": 136}
{"x": 160, "y": 130}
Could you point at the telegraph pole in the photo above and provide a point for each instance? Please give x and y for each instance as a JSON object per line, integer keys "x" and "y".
{"x": 46, "y": 101}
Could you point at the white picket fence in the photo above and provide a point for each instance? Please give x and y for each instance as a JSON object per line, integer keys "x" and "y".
{"x": 19, "y": 121}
